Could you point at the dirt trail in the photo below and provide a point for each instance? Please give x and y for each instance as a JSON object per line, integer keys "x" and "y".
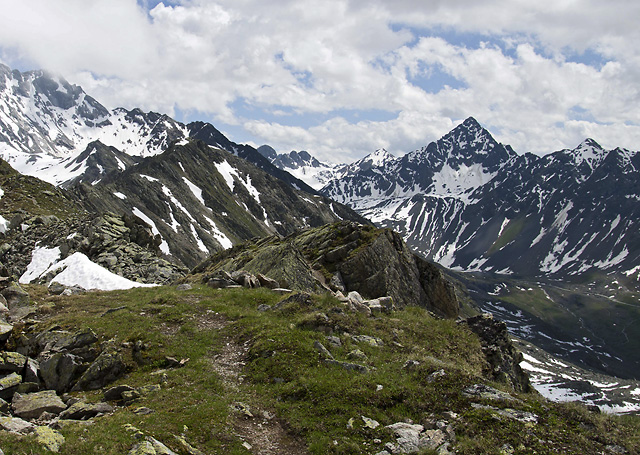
{"x": 261, "y": 431}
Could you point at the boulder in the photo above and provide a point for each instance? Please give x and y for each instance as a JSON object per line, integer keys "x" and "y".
{"x": 15, "y": 296}
{"x": 104, "y": 370}
{"x": 115, "y": 393}
{"x": 4, "y": 407}
{"x": 8, "y": 385}
{"x": 60, "y": 340}
{"x": 267, "y": 282}
{"x": 83, "y": 411}
{"x": 32, "y": 405}
{"x": 5, "y": 331}
{"x": 503, "y": 358}
{"x": 59, "y": 371}
{"x": 16, "y": 425}
{"x": 12, "y": 362}
{"x": 51, "y": 439}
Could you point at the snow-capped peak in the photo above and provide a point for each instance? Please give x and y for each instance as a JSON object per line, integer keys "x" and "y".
{"x": 588, "y": 151}
{"x": 379, "y": 158}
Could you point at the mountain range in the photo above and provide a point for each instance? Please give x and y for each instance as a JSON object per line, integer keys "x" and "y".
{"x": 465, "y": 201}
{"x": 473, "y": 204}
{"x": 199, "y": 191}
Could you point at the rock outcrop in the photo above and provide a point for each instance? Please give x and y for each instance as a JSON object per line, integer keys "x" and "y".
{"x": 503, "y": 358}
{"x": 343, "y": 257}
{"x": 124, "y": 245}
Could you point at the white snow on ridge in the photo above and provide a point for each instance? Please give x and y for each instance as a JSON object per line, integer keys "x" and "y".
{"x": 219, "y": 235}
{"x": 75, "y": 270}
{"x": 41, "y": 260}
{"x": 227, "y": 172}
{"x": 195, "y": 190}
{"x": 164, "y": 246}
{"x": 78, "y": 270}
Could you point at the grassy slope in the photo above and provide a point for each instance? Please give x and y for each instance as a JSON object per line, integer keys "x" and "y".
{"x": 283, "y": 375}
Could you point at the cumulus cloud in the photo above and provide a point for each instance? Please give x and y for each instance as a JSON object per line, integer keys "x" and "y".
{"x": 540, "y": 75}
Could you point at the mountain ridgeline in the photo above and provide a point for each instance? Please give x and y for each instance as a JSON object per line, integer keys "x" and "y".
{"x": 473, "y": 204}
{"x": 196, "y": 189}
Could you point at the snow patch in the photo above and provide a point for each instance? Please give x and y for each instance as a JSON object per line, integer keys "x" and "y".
{"x": 195, "y": 190}
{"x": 164, "y": 246}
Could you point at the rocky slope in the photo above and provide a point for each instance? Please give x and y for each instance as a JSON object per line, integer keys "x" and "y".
{"x": 201, "y": 370}
{"x": 472, "y": 204}
{"x": 343, "y": 257}
{"x": 202, "y": 199}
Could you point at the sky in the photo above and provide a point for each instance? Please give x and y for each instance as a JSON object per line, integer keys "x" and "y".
{"x": 342, "y": 78}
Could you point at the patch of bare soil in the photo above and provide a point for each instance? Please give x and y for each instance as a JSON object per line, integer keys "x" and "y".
{"x": 261, "y": 431}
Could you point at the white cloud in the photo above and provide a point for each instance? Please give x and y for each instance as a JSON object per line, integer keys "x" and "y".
{"x": 524, "y": 82}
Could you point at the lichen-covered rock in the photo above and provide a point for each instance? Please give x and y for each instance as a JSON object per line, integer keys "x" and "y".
{"x": 8, "y": 385}
{"x": 5, "y": 331}
{"x": 51, "y": 439}
{"x": 16, "y": 425}
{"x": 32, "y": 405}
{"x": 12, "y": 362}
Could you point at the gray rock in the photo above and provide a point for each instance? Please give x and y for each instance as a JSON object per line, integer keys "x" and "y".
{"x": 334, "y": 341}
{"x": 371, "y": 341}
{"x": 336, "y": 282}
{"x": 15, "y": 296}
{"x": 264, "y": 307}
{"x": 355, "y": 297}
{"x": 387, "y": 304}
{"x": 12, "y": 362}
{"x": 184, "y": 287}
{"x": 143, "y": 448}
{"x": 83, "y": 411}
{"x": 4, "y": 310}
{"x": 159, "y": 447}
{"x": 32, "y": 405}
{"x": 104, "y": 370}
{"x": 485, "y": 392}
{"x": 370, "y": 423}
{"x": 503, "y": 358}
{"x": 356, "y": 354}
{"x": 374, "y": 305}
{"x": 348, "y": 366}
{"x": 16, "y": 425}
{"x": 4, "y": 407}
{"x": 267, "y": 282}
{"x": 115, "y": 393}
{"x": 324, "y": 352}
{"x": 51, "y": 439}
{"x": 5, "y": 331}
{"x": 59, "y": 370}
{"x": 31, "y": 371}
{"x": 8, "y": 385}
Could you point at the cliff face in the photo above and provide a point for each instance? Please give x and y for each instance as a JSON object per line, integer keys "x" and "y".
{"x": 344, "y": 257}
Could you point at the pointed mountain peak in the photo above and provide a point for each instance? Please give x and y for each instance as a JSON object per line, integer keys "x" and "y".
{"x": 588, "y": 151}
{"x": 379, "y": 157}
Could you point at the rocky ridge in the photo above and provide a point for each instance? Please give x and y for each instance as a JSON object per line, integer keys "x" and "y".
{"x": 343, "y": 257}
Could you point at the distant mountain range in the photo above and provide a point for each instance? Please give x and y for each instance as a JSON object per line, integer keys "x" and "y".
{"x": 199, "y": 191}
{"x": 473, "y": 204}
